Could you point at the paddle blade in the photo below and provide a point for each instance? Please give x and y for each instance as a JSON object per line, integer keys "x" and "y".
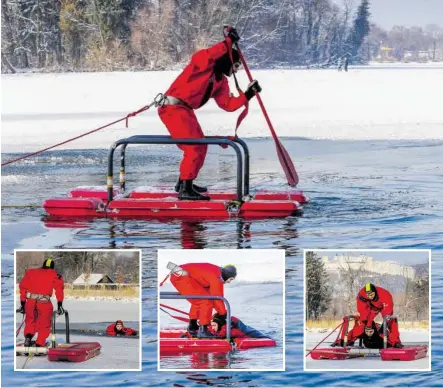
{"x": 286, "y": 163}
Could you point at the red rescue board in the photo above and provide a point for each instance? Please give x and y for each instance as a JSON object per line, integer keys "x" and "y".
{"x": 408, "y": 353}
{"x": 249, "y": 343}
{"x": 140, "y": 208}
{"x": 159, "y": 203}
{"x": 74, "y": 351}
{"x": 186, "y": 345}
{"x": 265, "y": 195}
{"x": 333, "y": 354}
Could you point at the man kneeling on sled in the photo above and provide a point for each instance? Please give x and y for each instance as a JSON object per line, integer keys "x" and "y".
{"x": 371, "y": 336}
{"x": 202, "y": 279}
{"x": 238, "y": 328}
{"x": 205, "y": 77}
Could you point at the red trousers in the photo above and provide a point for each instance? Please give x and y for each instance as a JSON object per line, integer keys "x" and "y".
{"x": 38, "y": 320}
{"x": 181, "y": 122}
{"x": 201, "y": 309}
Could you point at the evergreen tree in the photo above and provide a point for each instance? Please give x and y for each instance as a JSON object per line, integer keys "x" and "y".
{"x": 359, "y": 30}
{"x": 317, "y": 288}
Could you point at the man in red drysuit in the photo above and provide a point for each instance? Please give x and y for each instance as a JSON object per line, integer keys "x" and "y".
{"x": 36, "y": 289}
{"x": 118, "y": 329}
{"x": 203, "y": 78}
{"x": 203, "y": 279}
{"x": 371, "y": 301}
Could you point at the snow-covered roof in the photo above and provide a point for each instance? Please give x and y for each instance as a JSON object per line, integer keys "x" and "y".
{"x": 93, "y": 278}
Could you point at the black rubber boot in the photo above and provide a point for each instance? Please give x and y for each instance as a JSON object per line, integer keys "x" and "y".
{"x": 198, "y": 189}
{"x": 193, "y": 328}
{"x": 398, "y": 345}
{"x": 28, "y": 341}
{"x": 203, "y": 332}
{"x": 187, "y": 192}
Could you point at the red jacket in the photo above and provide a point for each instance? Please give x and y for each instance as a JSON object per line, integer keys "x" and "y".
{"x": 369, "y": 309}
{"x": 127, "y": 331}
{"x": 191, "y": 85}
{"x": 209, "y": 276}
{"x": 42, "y": 281}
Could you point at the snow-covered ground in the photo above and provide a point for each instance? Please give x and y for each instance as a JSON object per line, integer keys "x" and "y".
{"x": 94, "y": 316}
{"x": 39, "y": 110}
{"x": 253, "y": 266}
{"x": 419, "y": 337}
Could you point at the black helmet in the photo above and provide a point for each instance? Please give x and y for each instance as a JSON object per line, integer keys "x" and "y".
{"x": 48, "y": 263}
{"x": 223, "y": 65}
{"x": 229, "y": 271}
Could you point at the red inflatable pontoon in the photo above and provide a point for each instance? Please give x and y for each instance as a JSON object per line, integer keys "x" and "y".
{"x": 159, "y": 202}
{"x": 170, "y": 342}
{"x": 407, "y": 353}
{"x": 74, "y": 351}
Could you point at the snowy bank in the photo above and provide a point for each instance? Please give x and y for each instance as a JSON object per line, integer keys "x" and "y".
{"x": 39, "y": 110}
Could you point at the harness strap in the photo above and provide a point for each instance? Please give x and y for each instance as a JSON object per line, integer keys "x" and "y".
{"x": 38, "y": 297}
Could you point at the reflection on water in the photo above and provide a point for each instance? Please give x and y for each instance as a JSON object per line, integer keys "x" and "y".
{"x": 378, "y": 194}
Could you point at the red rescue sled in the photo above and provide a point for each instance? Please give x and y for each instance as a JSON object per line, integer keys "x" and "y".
{"x": 170, "y": 342}
{"x": 407, "y": 353}
{"x": 176, "y": 341}
{"x": 74, "y": 351}
{"x": 333, "y": 354}
{"x": 158, "y": 202}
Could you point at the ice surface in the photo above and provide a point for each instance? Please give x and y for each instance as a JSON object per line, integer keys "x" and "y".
{"x": 116, "y": 353}
{"x": 365, "y": 103}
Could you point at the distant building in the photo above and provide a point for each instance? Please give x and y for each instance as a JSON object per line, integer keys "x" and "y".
{"x": 93, "y": 280}
{"x": 367, "y": 263}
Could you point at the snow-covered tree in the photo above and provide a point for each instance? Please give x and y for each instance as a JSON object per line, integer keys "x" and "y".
{"x": 317, "y": 287}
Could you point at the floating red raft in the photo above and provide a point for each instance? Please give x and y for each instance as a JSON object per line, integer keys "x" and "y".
{"x": 407, "y": 353}
{"x": 74, "y": 351}
{"x": 170, "y": 342}
{"x": 85, "y": 202}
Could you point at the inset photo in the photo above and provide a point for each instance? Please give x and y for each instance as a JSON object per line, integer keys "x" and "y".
{"x": 221, "y": 309}
{"x": 77, "y": 310}
{"x": 367, "y": 310}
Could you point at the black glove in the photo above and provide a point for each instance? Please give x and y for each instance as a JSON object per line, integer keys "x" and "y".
{"x": 21, "y": 310}
{"x": 60, "y": 309}
{"x": 232, "y": 33}
{"x": 338, "y": 343}
{"x": 220, "y": 319}
{"x": 253, "y": 87}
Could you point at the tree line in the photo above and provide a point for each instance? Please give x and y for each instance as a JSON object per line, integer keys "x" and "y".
{"x": 328, "y": 298}
{"x": 91, "y": 35}
{"x": 121, "y": 267}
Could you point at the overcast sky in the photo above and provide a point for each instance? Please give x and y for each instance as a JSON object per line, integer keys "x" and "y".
{"x": 399, "y": 256}
{"x": 387, "y": 13}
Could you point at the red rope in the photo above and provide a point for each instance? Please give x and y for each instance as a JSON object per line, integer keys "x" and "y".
{"x": 78, "y": 137}
{"x": 324, "y": 339}
{"x": 173, "y": 309}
